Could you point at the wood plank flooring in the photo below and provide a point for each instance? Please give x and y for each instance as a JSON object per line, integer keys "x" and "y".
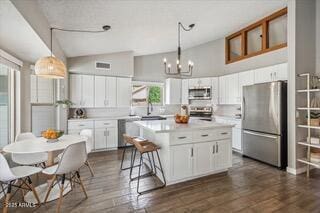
{"x": 249, "y": 186}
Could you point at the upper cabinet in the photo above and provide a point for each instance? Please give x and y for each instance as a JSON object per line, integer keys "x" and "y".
{"x": 41, "y": 90}
{"x": 228, "y": 89}
{"x": 245, "y": 79}
{"x": 124, "y": 92}
{"x": 199, "y": 82}
{"x": 267, "y": 34}
{"x": 82, "y": 90}
{"x": 185, "y": 91}
{"x": 173, "y": 91}
{"x": 273, "y": 73}
{"x": 105, "y": 90}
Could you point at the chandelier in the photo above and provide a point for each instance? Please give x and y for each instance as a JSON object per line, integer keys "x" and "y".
{"x": 167, "y": 66}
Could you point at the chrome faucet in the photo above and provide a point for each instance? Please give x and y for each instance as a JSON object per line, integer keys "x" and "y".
{"x": 149, "y": 108}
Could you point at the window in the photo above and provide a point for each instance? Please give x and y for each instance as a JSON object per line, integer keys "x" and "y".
{"x": 144, "y": 92}
{"x": 263, "y": 36}
{"x": 9, "y": 104}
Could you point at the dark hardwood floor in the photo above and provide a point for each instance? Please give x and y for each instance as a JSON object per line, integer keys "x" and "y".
{"x": 249, "y": 186}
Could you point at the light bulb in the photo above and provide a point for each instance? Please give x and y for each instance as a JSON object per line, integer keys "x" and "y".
{"x": 178, "y": 62}
{"x": 169, "y": 65}
{"x": 164, "y": 60}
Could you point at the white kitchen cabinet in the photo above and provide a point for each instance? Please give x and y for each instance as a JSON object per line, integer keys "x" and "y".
{"x": 277, "y": 72}
{"x": 111, "y": 91}
{"x": 281, "y": 73}
{"x": 41, "y": 90}
{"x": 112, "y": 137}
{"x": 181, "y": 161}
{"x": 124, "y": 92}
{"x": 82, "y": 90}
{"x": 222, "y": 90}
{"x": 222, "y": 155}
{"x": 215, "y": 90}
{"x": 200, "y": 82}
{"x": 203, "y": 152}
{"x": 245, "y": 79}
{"x": 87, "y": 91}
{"x": 173, "y": 91}
{"x": 229, "y": 89}
{"x": 105, "y": 89}
{"x": 185, "y": 91}
{"x": 100, "y": 139}
{"x": 76, "y": 90}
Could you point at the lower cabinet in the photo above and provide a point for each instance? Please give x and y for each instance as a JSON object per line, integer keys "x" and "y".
{"x": 199, "y": 158}
{"x": 105, "y": 138}
{"x": 236, "y": 139}
{"x": 181, "y": 161}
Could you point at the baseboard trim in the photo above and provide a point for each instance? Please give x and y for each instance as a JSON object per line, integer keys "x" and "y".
{"x": 296, "y": 171}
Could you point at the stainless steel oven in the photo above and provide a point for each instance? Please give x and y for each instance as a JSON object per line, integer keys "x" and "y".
{"x": 199, "y": 93}
{"x": 201, "y": 112}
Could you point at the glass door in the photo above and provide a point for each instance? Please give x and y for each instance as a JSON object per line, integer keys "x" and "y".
{"x": 4, "y": 105}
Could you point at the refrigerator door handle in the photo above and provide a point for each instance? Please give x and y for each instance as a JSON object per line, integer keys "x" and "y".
{"x": 244, "y": 109}
{"x": 260, "y": 134}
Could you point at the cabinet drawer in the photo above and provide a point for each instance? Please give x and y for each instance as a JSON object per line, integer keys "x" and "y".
{"x": 181, "y": 138}
{"x": 80, "y": 125}
{"x": 223, "y": 134}
{"x": 204, "y": 135}
{"x": 106, "y": 123}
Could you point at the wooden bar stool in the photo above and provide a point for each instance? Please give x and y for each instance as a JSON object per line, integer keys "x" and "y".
{"x": 146, "y": 148}
{"x": 129, "y": 141}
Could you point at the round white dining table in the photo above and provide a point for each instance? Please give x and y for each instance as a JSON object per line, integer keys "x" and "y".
{"x": 32, "y": 146}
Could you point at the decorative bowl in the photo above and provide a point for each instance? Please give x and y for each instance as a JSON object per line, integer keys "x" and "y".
{"x": 52, "y": 135}
{"x": 181, "y": 119}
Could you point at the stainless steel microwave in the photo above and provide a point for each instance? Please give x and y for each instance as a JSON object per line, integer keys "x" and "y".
{"x": 199, "y": 93}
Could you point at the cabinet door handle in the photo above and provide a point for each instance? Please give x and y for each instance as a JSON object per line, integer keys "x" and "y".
{"x": 224, "y": 133}
{"x": 206, "y": 135}
{"x": 182, "y": 137}
{"x": 106, "y": 123}
{"x": 191, "y": 152}
{"x": 213, "y": 149}
{"x": 217, "y": 148}
{"x": 81, "y": 124}
{"x": 104, "y": 133}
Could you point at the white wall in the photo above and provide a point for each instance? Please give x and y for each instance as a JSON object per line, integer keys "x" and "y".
{"x": 209, "y": 60}
{"x": 121, "y": 64}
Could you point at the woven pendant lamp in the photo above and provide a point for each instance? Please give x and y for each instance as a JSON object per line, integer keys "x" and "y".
{"x": 50, "y": 67}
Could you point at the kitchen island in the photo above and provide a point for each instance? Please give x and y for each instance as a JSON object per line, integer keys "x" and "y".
{"x": 191, "y": 150}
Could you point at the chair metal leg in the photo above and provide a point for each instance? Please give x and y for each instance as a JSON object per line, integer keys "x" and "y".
{"x": 123, "y": 154}
{"x": 81, "y": 184}
{"x": 154, "y": 163}
{"x": 30, "y": 185}
{"x": 49, "y": 188}
{"x": 150, "y": 162}
{"x": 61, "y": 194}
{"x": 132, "y": 164}
{"x": 7, "y": 199}
{"x": 138, "y": 183}
{"x": 158, "y": 187}
{"x": 90, "y": 168}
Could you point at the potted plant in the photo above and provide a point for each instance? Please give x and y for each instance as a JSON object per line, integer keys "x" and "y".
{"x": 64, "y": 103}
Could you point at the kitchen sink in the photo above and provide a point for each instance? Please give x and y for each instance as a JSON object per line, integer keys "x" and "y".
{"x": 150, "y": 118}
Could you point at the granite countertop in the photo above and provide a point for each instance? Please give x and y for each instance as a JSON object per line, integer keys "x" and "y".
{"x": 163, "y": 126}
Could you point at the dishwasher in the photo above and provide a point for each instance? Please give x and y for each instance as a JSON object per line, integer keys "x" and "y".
{"x": 126, "y": 126}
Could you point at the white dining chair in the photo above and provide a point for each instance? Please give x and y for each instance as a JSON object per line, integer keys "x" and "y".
{"x": 73, "y": 157}
{"x": 29, "y": 159}
{"x": 18, "y": 177}
{"x": 89, "y": 146}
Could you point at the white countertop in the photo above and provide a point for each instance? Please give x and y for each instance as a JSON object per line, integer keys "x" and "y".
{"x": 113, "y": 118}
{"x": 162, "y": 126}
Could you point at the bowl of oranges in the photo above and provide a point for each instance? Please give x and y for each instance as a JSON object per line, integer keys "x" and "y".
{"x": 181, "y": 119}
{"x": 52, "y": 135}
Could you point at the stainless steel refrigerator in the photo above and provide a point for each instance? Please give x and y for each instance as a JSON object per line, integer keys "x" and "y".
{"x": 264, "y": 122}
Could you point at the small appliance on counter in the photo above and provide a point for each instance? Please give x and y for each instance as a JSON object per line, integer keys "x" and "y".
{"x": 79, "y": 113}
{"x": 201, "y": 112}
